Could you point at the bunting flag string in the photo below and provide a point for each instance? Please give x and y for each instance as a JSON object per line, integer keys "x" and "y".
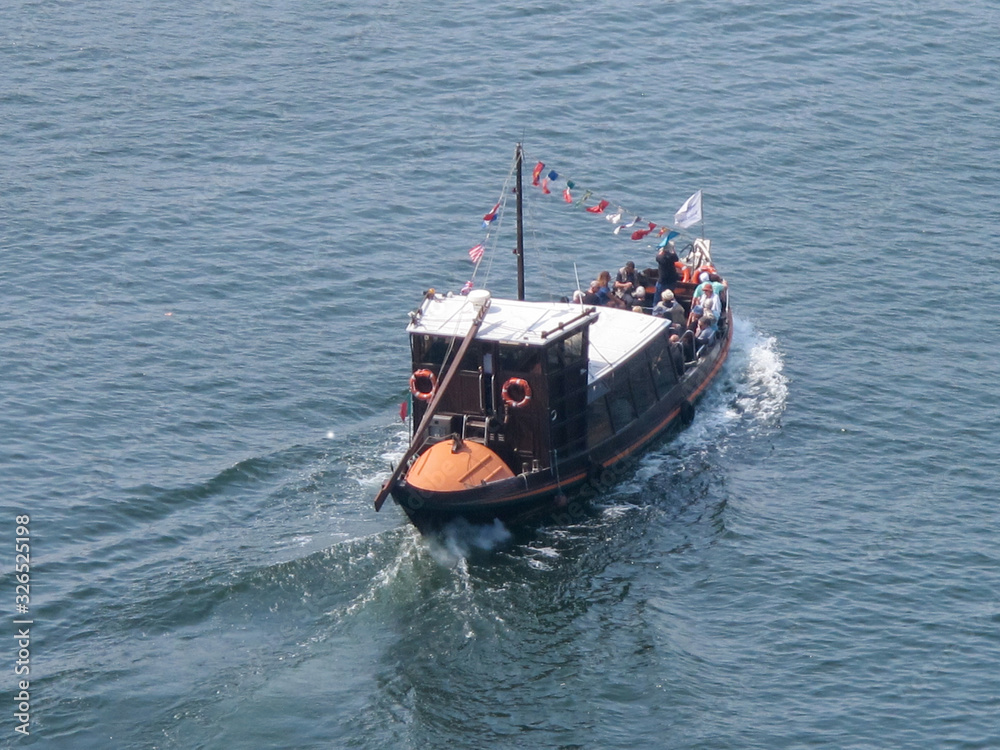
{"x": 686, "y": 216}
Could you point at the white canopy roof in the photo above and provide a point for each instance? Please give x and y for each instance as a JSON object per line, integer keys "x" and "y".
{"x": 614, "y": 336}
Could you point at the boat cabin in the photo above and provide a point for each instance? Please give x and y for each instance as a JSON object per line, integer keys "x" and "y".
{"x": 541, "y": 382}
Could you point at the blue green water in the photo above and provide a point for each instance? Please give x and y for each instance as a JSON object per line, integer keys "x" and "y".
{"x": 213, "y": 221}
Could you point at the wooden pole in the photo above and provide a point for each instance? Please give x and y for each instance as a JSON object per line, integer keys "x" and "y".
{"x": 519, "y": 161}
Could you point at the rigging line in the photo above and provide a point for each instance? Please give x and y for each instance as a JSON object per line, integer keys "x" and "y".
{"x": 504, "y": 195}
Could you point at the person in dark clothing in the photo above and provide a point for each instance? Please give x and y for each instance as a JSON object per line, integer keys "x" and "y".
{"x": 591, "y": 297}
{"x": 665, "y": 260}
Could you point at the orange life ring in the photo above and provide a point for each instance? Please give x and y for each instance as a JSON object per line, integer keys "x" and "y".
{"x": 704, "y": 269}
{"x": 683, "y": 270}
{"x": 423, "y": 384}
{"x": 522, "y": 385}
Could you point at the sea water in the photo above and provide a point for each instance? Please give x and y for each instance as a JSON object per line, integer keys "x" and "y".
{"x": 214, "y": 219}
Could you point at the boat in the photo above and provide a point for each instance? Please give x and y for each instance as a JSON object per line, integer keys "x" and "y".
{"x": 526, "y": 409}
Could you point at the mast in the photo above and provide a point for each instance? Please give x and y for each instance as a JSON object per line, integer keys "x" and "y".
{"x": 519, "y": 251}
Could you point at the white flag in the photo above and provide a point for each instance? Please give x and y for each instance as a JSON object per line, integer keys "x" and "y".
{"x": 689, "y": 213}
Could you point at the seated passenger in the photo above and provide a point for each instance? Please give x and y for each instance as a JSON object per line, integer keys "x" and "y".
{"x": 718, "y": 284}
{"x": 693, "y": 317}
{"x": 721, "y": 287}
{"x": 638, "y": 298}
{"x": 708, "y": 299}
{"x": 669, "y": 308}
{"x": 591, "y": 297}
{"x": 712, "y": 322}
{"x": 607, "y": 296}
{"x": 705, "y": 334}
{"x": 626, "y": 281}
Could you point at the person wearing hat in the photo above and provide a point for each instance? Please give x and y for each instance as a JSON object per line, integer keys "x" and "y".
{"x": 638, "y": 298}
{"x": 718, "y": 284}
{"x": 708, "y": 299}
{"x": 670, "y": 308}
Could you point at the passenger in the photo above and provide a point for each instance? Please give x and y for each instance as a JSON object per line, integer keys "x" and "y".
{"x": 638, "y": 297}
{"x": 591, "y": 297}
{"x": 626, "y": 281}
{"x": 708, "y": 299}
{"x": 577, "y": 297}
{"x": 705, "y": 334}
{"x": 665, "y": 260}
{"x": 608, "y": 297}
{"x": 718, "y": 284}
{"x": 693, "y": 318}
{"x": 604, "y": 286}
{"x": 721, "y": 287}
{"x": 670, "y": 308}
{"x": 638, "y": 309}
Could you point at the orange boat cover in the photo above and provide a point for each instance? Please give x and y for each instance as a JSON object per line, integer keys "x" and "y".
{"x": 440, "y": 470}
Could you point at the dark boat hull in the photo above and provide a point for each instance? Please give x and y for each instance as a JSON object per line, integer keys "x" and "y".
{"x": 558, "y": 493}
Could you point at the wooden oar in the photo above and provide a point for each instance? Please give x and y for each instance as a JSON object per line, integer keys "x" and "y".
{"x": 418, "y": 436}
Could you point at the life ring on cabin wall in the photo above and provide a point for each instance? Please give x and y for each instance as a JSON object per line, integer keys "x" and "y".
{"x": 521, "y": 395}
{"x": 423, "y": 384}
{"x": 683, "y": 270}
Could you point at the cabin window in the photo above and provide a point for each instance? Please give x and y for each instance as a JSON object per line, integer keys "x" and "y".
{"x": 598, "y": 418}
{"x": 431, "y": 350}
{"x": 662, "y": 365}
{"x": 643, "y": 393}
{"x": 554, "y": 354}
{"x": 620, "y": 401}
{"x": 488, "y": 363}
{"x": 521, "y": 359}
{"x": 567, "y": 392}
{"x": 574, "y": 346}
{"x": 473, "y": 358}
